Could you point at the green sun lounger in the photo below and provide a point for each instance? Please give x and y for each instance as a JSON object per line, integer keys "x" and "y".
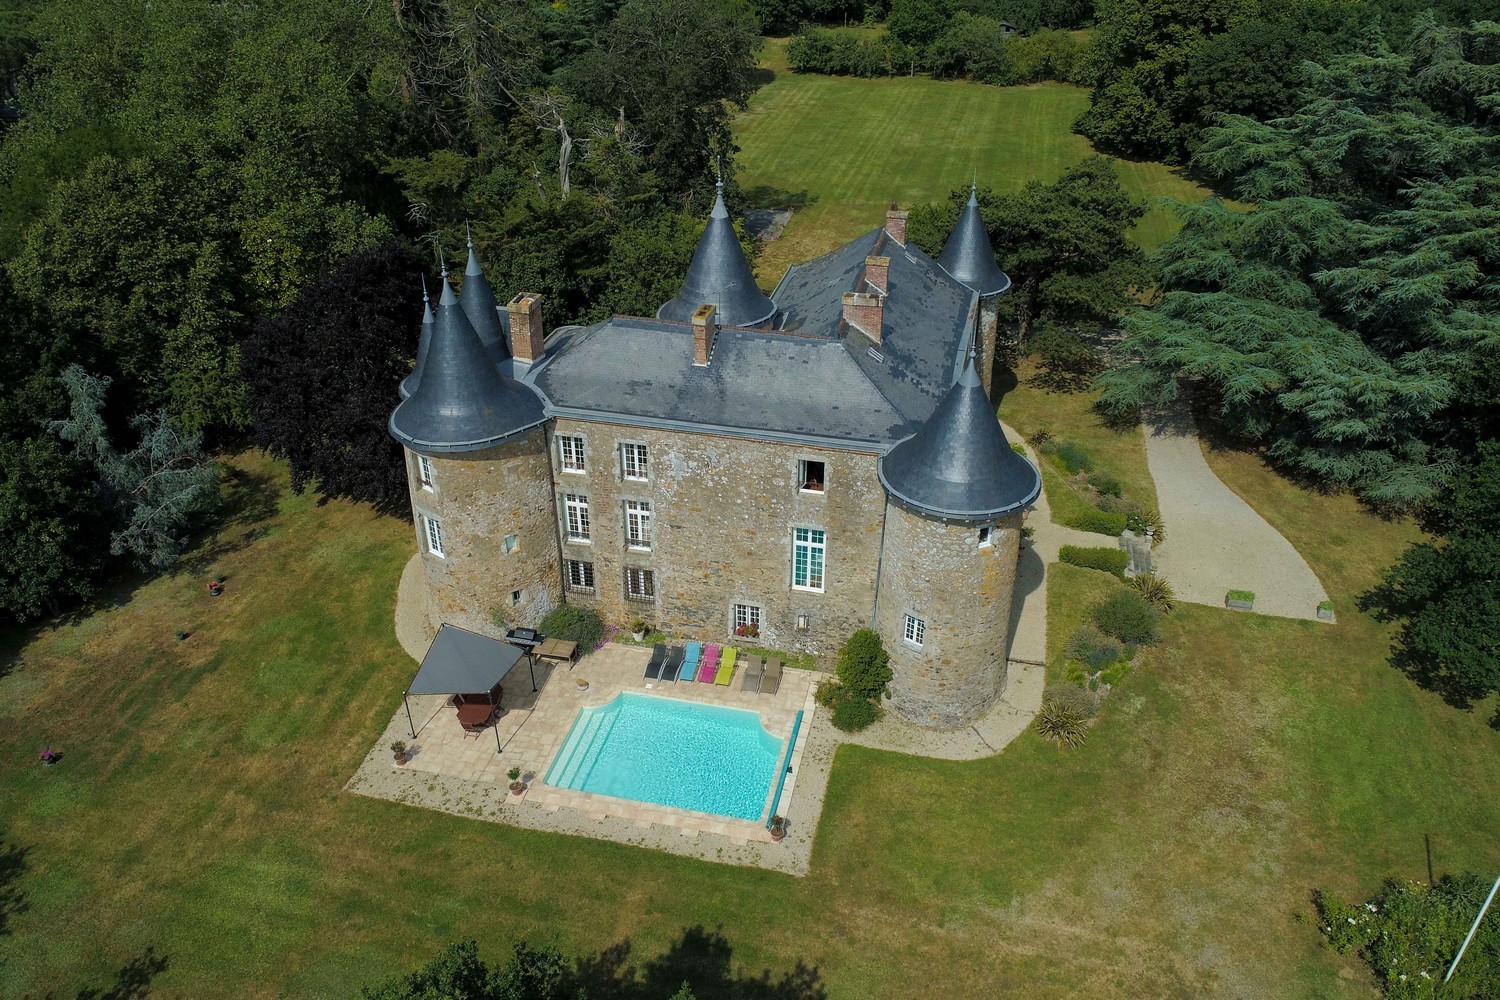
{"x": 726, "y": 666}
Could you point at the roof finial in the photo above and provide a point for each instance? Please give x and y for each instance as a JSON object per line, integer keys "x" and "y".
{"x": 424, "y": 291}
{"x": 468, "y": 235}
{"x": 443, "y": 264}
{"x": 719, "y": 172}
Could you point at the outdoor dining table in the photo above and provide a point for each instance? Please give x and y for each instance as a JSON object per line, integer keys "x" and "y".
{"x": 560, "y": 650}
{"x": 474, "y": 714}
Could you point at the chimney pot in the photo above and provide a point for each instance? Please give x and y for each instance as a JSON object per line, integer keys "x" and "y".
{"x": 526, "y": 331}
{"x": 705, "y": 328}
{"x": 895, "y": 224}
{"x": 864, "y": 311}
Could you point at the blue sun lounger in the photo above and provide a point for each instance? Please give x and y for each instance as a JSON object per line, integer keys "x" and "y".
{"x": 673, "y": 664}
{"x": 690, "y": 665}
{"x": 658, "y": 660}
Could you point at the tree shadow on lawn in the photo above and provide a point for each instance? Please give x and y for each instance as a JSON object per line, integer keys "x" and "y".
{"x": 701, "y": 958}
{"x": 133, "y": 981}
{"x": 769, "y": 196}
{"x": 13, "y": 866}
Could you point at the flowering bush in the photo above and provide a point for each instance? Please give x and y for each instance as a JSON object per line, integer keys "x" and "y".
{"x": 747, "y": 631}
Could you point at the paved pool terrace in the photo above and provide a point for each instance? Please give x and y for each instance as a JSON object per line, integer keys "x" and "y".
{"x": 471, "y": 778}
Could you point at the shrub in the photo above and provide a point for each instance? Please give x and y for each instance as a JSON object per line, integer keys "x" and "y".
{"x": 1109, "y": 560}
{"x": 1098, "y": 521}
{"x": 1062, "y": 724}
{"x": 580, "y": 625}
{"x": 864, "y": 665}
{"x": 1154, "y": 590}
{"x": 1325, "y": 605}
{"x": 852, "y": 714}
{"x": 1128, "y": 617}
{"x": 1041, "y": 439}
{"x": 1018, "y": 448}
{"x": 1073, "y": 458}
{"x": 1081, "y": 644}
{"x": 1240, "y": 595}
{"x": 828, "y": 692}
{"x": 1141, "y": 518}
{"x": 1080, "y": 700}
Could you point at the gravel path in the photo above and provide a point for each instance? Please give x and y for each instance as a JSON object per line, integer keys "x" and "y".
{"x": 1215, "y": 541}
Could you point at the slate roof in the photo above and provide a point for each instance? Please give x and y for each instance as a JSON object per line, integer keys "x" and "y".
{"x": 968, "y": 255}
{"x": 462, "y": 402}
{"x": 720, "y": 274}
{"x": 489, "y": 320}
{"x": 410, "y": 383}
{"x": 959, "y": 466}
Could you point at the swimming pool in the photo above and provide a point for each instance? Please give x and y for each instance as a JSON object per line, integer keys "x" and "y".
{"x": 672, "y": 753}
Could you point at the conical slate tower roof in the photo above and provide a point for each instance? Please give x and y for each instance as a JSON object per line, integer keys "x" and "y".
{"x": 720, "y": 275}
{"x": 959, "y": 465}
{"x": 478, "y": 300}
{"x": 968, "y": 255}
{"x": 410, "y": 383}
{"x": 462, "y": 402}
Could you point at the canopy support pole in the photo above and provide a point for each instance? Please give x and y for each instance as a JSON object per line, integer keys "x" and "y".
{"x": 409, "y": 724}
{"x": 531, "y": 665}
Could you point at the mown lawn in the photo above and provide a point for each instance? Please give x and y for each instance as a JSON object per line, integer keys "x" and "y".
{"x": 199, "y": 812}
{"x": 843, "y": 149}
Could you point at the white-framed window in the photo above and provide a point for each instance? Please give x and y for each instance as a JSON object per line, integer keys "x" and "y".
{"x": 916, "y": 629}
{"x": 747, "y": 621}
{"x": 633, "y": 461}
{"x": 515, "y": 598}
{"x": 640, "y": 584}
{"x": 809, "y": 548}
{"x": 424, "y": 472}
{"x": 986, "y": 535}
{"x": 580, "y": 576}
{"x": 577, "y": 507}
{"x": 812, "y": 476}
{"x": 570, "y": 453}
{"x": 509, "y": 543}
{"x": 432, "y": 528}
{"x": 638, "y": 524}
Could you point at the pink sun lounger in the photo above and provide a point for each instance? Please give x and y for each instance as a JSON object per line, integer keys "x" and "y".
{"x": 709, "y": 665}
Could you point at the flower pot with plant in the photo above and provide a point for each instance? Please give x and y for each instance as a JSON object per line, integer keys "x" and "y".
{"x": 581, "y": 684}
{"x": 1240, "y": 600}
{"x": 638, "y": 630}
{"x": 1325, "y": 611}
{"x": 517, "y": 786}
{"x": 778, "y": 828}
{"x": 398, "y": 750}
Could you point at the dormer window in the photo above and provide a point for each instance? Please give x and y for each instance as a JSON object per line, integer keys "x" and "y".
{"x": 812, "y": 476}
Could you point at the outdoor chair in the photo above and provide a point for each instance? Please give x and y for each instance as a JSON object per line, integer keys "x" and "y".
{"x": 725, "y": 673}
{"x": 673, "y": 664}
{"x": 770, "y": 681}
{"x": 754, "y": 667}
{"x": 476, "y": 710}
{"x": 658, "y": 660}
{"x": 690, "y": 664}
{"x": 710, "y": 664}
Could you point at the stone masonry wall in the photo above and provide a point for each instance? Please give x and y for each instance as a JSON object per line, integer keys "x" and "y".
{"x": 479, "y": 498}
{"x": 723, "y": 514}
{"x": 940, "y": 573}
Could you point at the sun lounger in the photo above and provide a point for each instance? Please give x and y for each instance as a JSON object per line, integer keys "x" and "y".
{"x": 673, "y": 664}
{"x": 725, "y": 672}
{"x": 750, "y": 672}
{"x": 690, "y": 664}
{"x": 710, "y": 664}
{"x": 770, "y": 682}
{"x": 658, "y": 660}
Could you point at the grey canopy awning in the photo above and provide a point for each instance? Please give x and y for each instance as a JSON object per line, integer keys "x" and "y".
{"x": 463, "y": 662}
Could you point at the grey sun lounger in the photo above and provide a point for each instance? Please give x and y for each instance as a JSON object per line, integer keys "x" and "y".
{"x": 673, "y": 664}
{"x": 770, "y": 682}
{"x": 754, "y": 667}
{"x": 658, "y": 660}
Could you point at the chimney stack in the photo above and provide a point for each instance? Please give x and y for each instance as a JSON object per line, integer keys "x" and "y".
{"x": 526, "y": 328}
{"x": 705, "y": 327}
{"x": 863, "y": 311}
{"x": 877, "y": 274}
{"x": 895, "y": 224}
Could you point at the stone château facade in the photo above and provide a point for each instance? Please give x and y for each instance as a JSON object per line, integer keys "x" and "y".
{"x": 803, "y": 464}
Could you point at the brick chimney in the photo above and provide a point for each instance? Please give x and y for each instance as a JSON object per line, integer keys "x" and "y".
{"x": 863, "y": 311}
{"x": 877, "y": 274}
{"x": 705, "y": 327}
{"x": 526, "y": 327}
{"x": 895, "y": 224}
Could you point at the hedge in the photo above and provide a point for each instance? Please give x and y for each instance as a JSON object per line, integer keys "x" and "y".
{"x": 1098, "y": 521}
{"x": 1109, "y": 560}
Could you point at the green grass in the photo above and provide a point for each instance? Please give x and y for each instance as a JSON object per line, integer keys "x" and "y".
{"x": 200, "y": 811}
{"x": 847, "y": 148}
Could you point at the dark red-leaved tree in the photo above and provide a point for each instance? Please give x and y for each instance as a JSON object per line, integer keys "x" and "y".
{"x": 322, "y": 376}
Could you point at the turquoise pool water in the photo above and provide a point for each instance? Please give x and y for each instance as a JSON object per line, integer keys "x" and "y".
{"x": 672, "y": 753}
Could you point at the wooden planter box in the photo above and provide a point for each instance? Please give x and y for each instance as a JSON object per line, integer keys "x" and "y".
{"x": 1235, "y": 604}
{"x": 1325, "y": 614}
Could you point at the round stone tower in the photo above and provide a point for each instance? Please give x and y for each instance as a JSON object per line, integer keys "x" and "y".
{"x": 955, "y": 494}
{"x": 480, "y": 482}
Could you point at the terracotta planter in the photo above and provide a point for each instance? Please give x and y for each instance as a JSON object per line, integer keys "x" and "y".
{"x": 517, "y": 787}
{"x": 400, "y": 759}
{"x": 778, "y": 833}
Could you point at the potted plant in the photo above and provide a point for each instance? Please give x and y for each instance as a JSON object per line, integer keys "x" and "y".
{"x": 181, "y": 635}
{"x": 747, "y": 631}
{"x": 48, "y": 757}
{"x": 638, "y": 630}
{"x": 399, "y": 749}
{"x": 581, "y": 684}
{"x": 1240, "y": 600}
{"x": 216, "y": 586}
{"x": 517, "y": 786}
{"x": 1325, "y": 611}
{"x": 778, "y": 828}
